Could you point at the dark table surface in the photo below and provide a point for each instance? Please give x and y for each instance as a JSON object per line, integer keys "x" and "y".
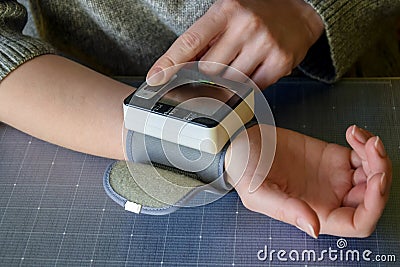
{"x": 54, "y": 211}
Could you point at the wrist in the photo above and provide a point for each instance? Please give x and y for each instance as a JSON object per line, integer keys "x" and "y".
{"x": 237, "y": 157}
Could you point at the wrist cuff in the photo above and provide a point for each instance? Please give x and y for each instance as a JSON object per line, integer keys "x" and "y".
{"x": 206, "y": 167}
{"x": 160, "y": 187}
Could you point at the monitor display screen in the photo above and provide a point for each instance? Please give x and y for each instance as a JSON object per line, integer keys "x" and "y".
{"x": 199, "y": 97}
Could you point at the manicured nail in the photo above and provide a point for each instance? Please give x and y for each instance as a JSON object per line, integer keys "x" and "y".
{"x": 383, "y": 181}
{"x": 379, "y": 147}
{"x": 155, "y": 76}
{"x": 257, "y": 181}
{"x": 383, "y": 184}
{"x": 358, "y": 135}
{"x": 208, "y": 67}
{"x": 306, "y": 227}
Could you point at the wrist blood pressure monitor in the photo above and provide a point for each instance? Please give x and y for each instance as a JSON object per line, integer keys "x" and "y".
{"x": 181, "y": 131}
{"x": 193, "y": 110}
{"x": 187, "y": 123}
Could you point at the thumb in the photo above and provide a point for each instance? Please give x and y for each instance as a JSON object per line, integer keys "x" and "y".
{"x": 270, "y": 200}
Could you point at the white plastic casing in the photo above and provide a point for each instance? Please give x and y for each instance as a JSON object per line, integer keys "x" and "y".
{"x": 210, "y": 140}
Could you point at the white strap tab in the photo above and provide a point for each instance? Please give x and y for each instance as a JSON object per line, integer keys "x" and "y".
{"x": 133, "y": 207}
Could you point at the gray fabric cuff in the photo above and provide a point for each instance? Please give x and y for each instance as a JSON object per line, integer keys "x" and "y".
{"x": 165, "y": 191}
{"x": 158, "y": 188}
{"x": 209, "y": 168}
{"x": 206, "y": 167}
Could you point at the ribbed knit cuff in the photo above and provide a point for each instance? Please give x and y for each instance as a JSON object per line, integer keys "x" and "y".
{"x": 16, "y": 48}
{"x": 351, "y": 27}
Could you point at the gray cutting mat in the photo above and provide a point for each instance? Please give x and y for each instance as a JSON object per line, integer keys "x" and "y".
{"x": 54, "y": 211}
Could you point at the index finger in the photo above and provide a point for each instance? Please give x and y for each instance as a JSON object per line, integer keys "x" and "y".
{"x": 188, "y": 45}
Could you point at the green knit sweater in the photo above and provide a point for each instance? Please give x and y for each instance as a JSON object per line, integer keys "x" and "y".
{"x": 124, "y": 37}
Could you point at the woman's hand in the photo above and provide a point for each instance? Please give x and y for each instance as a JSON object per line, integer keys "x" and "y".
{"x": 321, "y": 188}
{"x": 264, "y": 39}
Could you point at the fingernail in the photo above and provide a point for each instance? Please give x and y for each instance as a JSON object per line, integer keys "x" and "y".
{"x": 207, "y": 67}
{"x": 155, "y": 76}
{"x": 383, "y": 184}
{"x": 379, "y": 147}
{"x": 257, "y": 181}
{"x": 370, "y": 176}
{"x": 306, "y": 227}
{"x": 358, "y": 135}
{"x": 383, "y": 181}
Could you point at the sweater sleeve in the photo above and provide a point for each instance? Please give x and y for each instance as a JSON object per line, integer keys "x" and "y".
{"x": 351, "y": 28}
{"x": 16, "y": 48}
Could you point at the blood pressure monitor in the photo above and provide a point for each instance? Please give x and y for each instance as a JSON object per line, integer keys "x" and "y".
{"x": 198, "y": 111}
{"x": 185, "y": 126}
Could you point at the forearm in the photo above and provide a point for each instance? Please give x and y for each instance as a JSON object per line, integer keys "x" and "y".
{"x": 67, "y": 104}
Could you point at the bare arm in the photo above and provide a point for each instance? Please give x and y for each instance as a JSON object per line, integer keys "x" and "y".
{"x": 65, "y": 103}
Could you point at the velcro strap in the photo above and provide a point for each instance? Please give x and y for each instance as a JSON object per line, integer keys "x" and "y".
{"x": 207, "y": 167}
